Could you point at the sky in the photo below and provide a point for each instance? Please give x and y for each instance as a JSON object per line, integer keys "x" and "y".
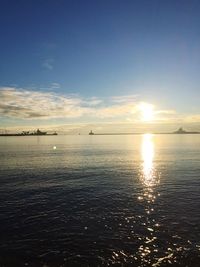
{"x": 112, "y": 65}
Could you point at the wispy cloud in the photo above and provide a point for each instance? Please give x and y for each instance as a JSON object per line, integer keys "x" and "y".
{"x": 55, "y": 86}
{"x": 48, "y": 63}
{"x": 116, "y": 110}
{"x": 92, "y": 101}
{"x": 193, "y": 118}
{"x": 124, "y": 98}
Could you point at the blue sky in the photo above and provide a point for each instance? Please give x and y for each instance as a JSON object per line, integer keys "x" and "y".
{"x": 86, "y": 50}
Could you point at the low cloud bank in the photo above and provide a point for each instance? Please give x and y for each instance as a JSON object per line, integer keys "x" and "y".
{"x": 39, "y": 105}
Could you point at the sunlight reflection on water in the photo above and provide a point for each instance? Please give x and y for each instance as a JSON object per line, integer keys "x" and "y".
{"x": 149, "y": 178}
{"x": 148, "y": 170}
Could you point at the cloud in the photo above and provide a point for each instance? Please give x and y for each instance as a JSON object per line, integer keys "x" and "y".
{"x": 93, "y": 101}
{"x": 124, "y": 98}
{"x": 48, "y": 63}
{"x": 192, "y": 118}
{"x": 166, "y": 111}
{"x": 46, "y": 105}
{"x": 166, "y": 115}
{"x": 55, "y": 86}
{"x": 116, "y": 110}
{"x": 24, "y": 104}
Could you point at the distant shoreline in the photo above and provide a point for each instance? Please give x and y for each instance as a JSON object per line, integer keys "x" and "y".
{"x": 144, "y": 133}
{"x": 27, "y": 134}
{"x": 7, "y": 135}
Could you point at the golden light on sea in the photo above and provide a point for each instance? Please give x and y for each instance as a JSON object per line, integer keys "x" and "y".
{"x": 147, "y": 157}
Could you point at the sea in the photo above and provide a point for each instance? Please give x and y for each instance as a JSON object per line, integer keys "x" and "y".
{"x": 100, "y": 200}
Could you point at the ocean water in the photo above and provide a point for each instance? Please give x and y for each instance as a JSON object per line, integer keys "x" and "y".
{"x": 100, "y": 200}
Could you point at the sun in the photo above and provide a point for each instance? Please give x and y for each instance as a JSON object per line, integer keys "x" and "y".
{"x": 147, "y": 112}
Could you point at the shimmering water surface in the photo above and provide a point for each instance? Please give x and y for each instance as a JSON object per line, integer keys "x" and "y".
{"x": 100, "y": 200}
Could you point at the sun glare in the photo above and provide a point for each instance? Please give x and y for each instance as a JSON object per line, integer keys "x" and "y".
{"x": 147, "y": 111}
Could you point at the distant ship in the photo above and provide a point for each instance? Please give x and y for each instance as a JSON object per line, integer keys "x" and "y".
{"x": 38, "y": 132}
{"x": 181, "y": 131}
{"x": 91, "y": 133}
{"x": 27, "y": 133}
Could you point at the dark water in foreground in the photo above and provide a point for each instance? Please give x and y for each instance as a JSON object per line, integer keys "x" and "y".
{"x": 100, "y": 201}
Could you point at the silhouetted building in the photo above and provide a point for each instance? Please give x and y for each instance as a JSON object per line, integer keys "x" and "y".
{"x": 38, "y": 132}
{"x": 91, "y": 133}
{"x": 180, "y": 131}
